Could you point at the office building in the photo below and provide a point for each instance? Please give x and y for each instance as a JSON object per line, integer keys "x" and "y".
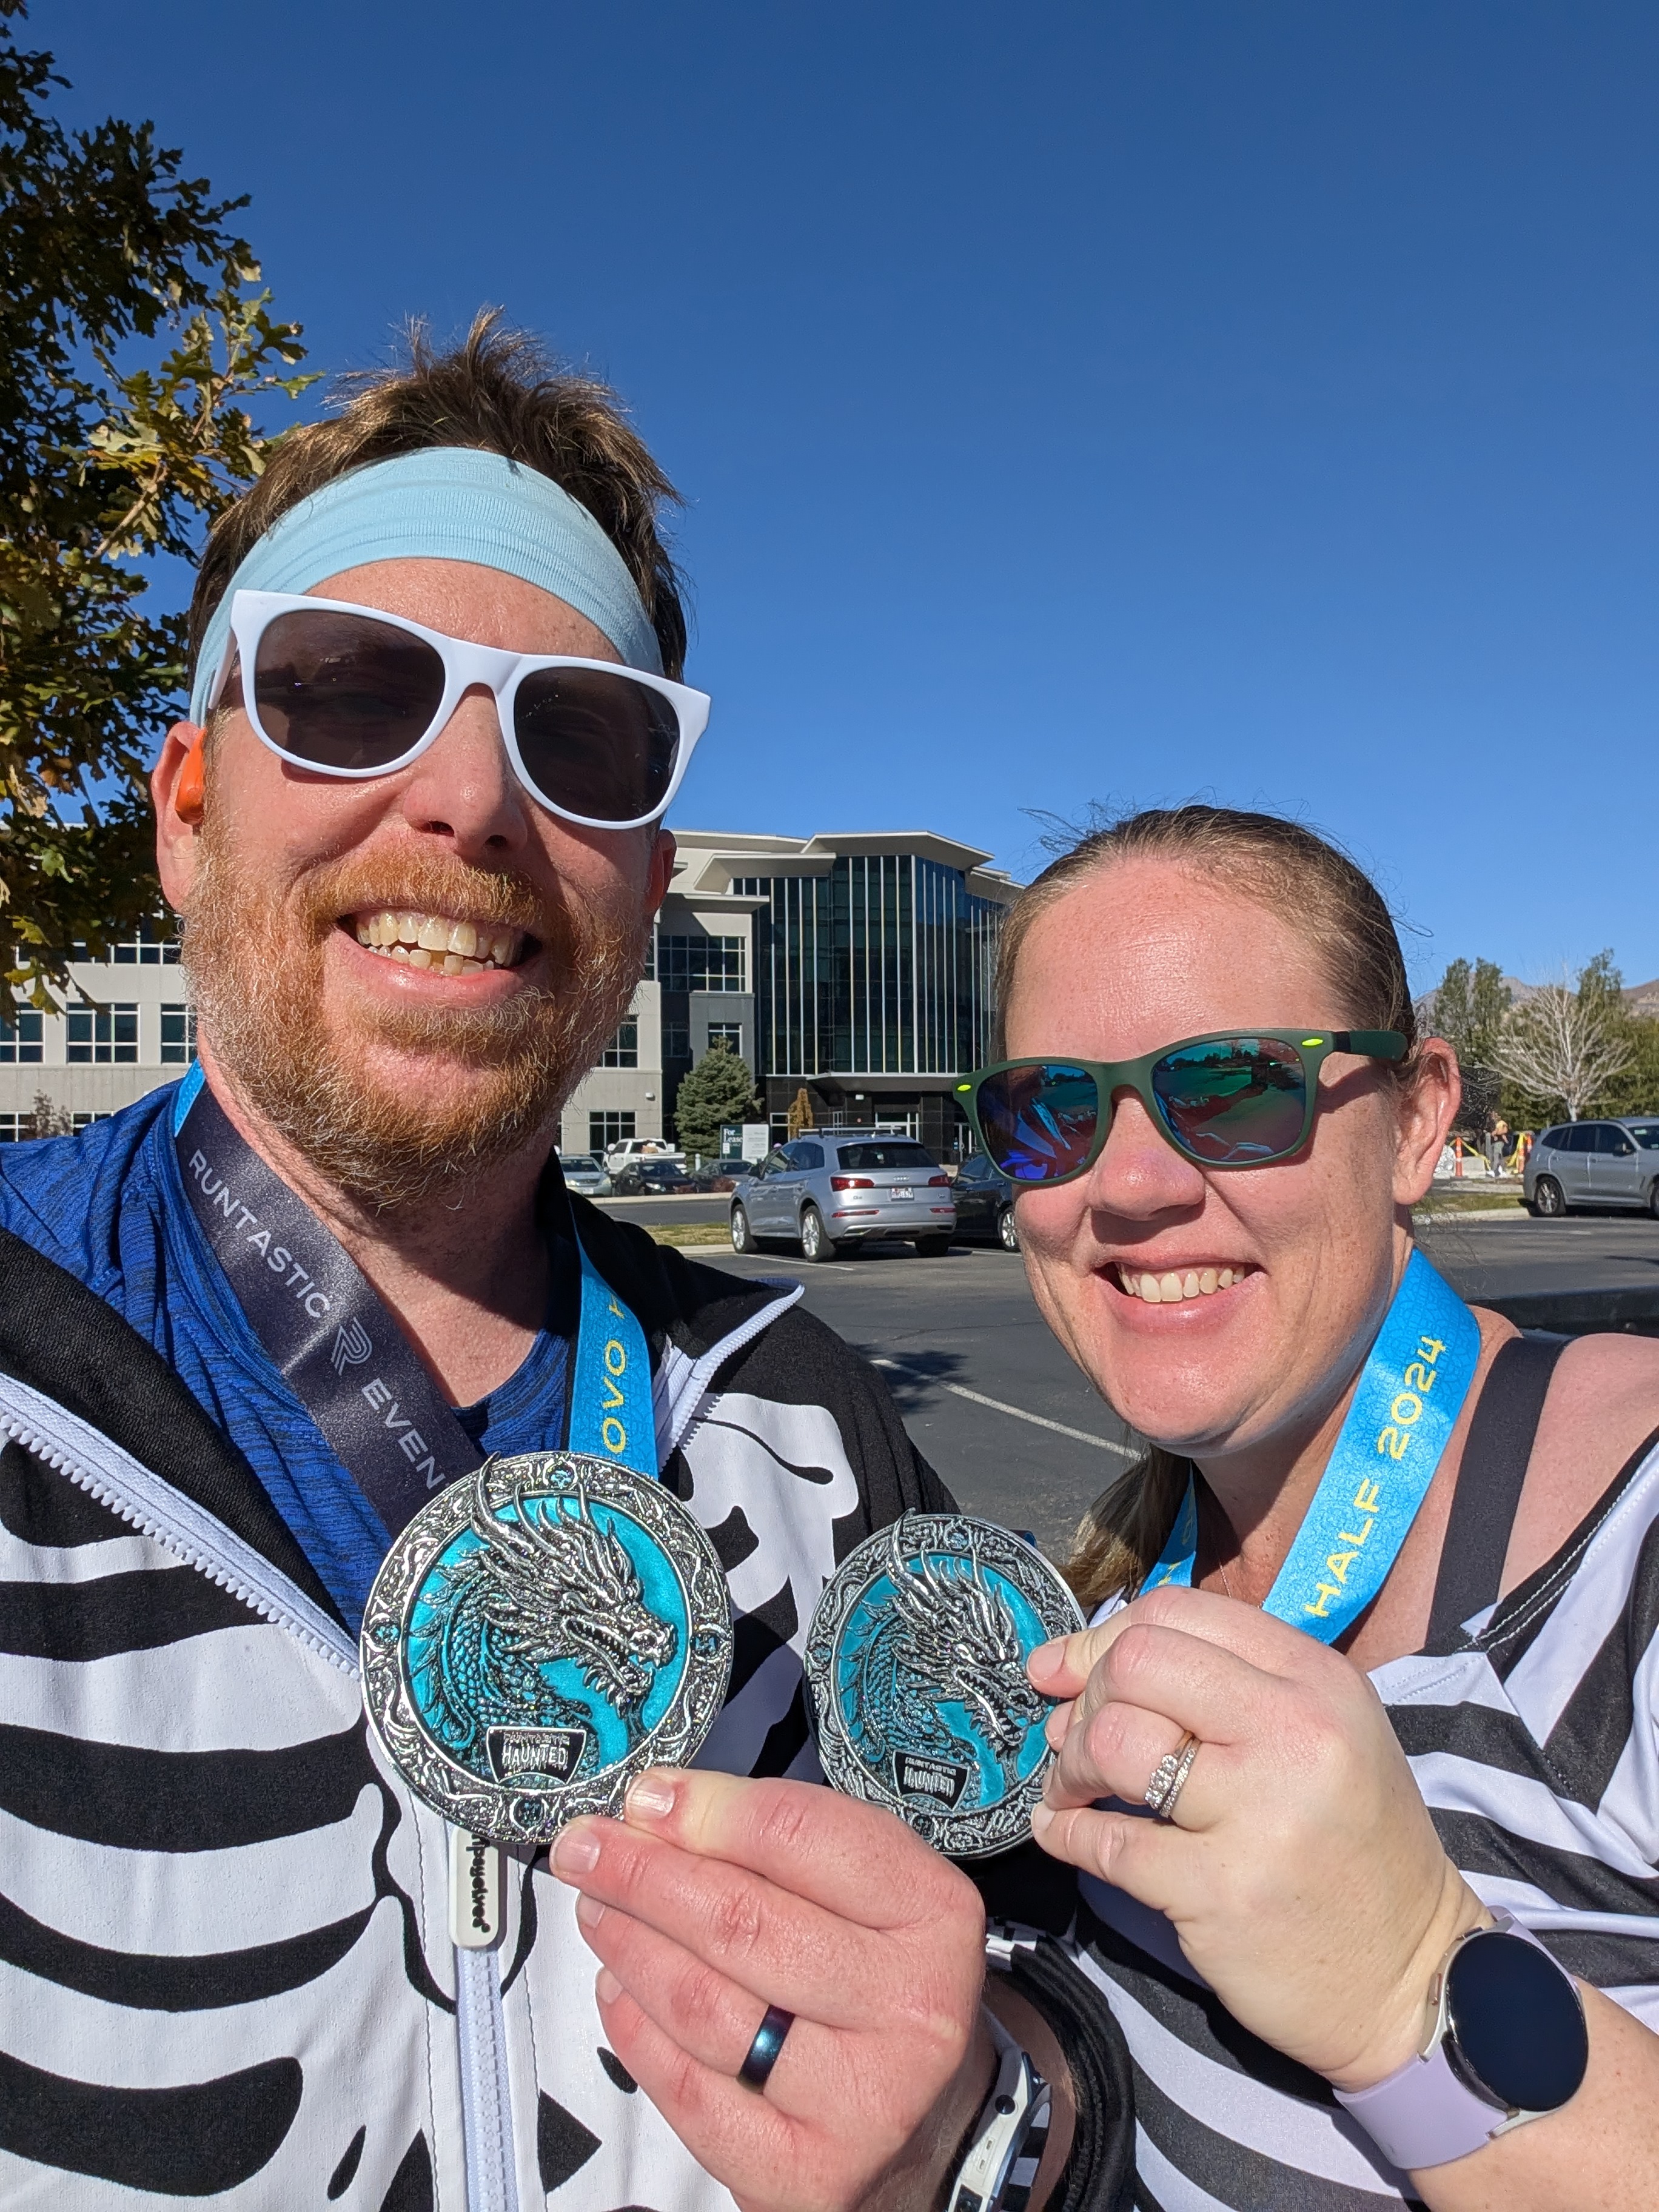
{"x": 126, "y": 1027}
{"x": 858, "y": 967}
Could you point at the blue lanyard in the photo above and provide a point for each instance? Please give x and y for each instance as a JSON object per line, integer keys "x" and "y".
{"x": 1416, "y": 1377}
{"x": 345, "y": 1359}
{"x": 611, "y": 1412}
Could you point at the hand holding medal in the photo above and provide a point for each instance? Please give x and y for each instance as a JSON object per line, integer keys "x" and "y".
{"x": 1296, "y": 1783}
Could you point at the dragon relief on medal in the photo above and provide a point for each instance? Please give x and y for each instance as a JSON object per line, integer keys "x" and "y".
{"x": 946, "y": 1638}
{"x": 537, "y": 1589}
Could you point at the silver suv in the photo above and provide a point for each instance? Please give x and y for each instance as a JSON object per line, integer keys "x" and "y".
{"x": 1594, "y": 1163}
{"x": 830, "y": 1191}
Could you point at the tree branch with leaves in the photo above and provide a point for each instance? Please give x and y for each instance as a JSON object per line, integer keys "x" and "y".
{"x": 107, "y": 462}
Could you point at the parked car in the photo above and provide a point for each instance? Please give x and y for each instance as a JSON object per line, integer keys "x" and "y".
{"x": 584, "y": 1173}
{"x": 731, "y": 1174}
{"x": 985, "y": 1202}
{"x": 828, "y": 1192}
{"x": 639, "y": 1148}
{"x": 1594, "y": 1163}
{"x": 638, "y": 1178}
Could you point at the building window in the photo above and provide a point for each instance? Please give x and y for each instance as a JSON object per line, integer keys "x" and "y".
{"x": 604, "y": 1130}
{"x": 623, "y": 1049}
{"x": 177, "y": 1035}
{"x": 700, "y": 963}
{"x": 21, "y": 1038}
{"x": 676, "y": 1042}
{"x": 102, "y": 1035}
{"x": 156, "y": 945}
{"x": 726, "y": 1036}
{"x": 16, "y": 1128}
{"x": 85, "y": 1120}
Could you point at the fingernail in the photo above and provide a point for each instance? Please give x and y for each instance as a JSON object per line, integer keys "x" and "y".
{"x": 1042, "y": 1818}
{"x": 606, "y": 1987}
{"x": 651, "y": 1797}
{"x": 589, "y": 1910}
{"x": 576, "y": 1851}
{"x": 1044, "y": 1659}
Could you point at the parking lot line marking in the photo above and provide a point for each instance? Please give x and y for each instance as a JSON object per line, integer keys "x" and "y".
{"x": 1019, "y": 1413}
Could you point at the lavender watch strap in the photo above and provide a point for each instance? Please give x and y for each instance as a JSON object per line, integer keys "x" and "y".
{"x": 1423, "y": 2115}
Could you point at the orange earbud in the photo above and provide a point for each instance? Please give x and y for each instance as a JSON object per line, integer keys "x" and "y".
{"x": 190, "y": 793}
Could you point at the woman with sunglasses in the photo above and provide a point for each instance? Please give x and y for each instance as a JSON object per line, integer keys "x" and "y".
{"x": 1358, "y": 1758}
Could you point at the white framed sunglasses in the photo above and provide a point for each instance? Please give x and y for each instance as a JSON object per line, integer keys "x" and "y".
{"x": 351, "y": 691}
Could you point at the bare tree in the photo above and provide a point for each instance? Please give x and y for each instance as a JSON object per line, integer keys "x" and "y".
{"x": 1561, "y": 1044}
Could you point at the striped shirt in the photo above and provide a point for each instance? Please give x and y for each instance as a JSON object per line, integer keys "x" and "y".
{"x": 1535, "y": 1747}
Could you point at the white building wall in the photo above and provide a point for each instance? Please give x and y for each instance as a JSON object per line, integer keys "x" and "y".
{"x": 102, "y": 1082}
{"x": 635, "y": 1090}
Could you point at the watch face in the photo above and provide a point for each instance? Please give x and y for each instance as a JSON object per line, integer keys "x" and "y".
{"x": 1518, "y": 2034}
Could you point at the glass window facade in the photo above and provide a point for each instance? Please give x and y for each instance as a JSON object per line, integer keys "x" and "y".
{"x": 177, "y": 1035}
{"x": 623, "y": 1049}
{"x": 156, "y": 945}
{"x": 604, "y": 1130}
{"x": 884, "y": 966}
{"x": 21, "y": 1038}
{"x": 698, "y": 963}
{"x": 101, "y": 1034}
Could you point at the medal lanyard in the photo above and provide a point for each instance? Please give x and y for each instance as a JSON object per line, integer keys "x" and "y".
{"x": 345, "y": 1359}
{"x": 1416, "y": 1377}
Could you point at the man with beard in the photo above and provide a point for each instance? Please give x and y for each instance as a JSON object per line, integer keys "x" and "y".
{"x": 414, "y": 829}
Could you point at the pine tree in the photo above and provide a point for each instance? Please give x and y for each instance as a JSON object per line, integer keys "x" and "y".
{"x": 720, "y": 1090}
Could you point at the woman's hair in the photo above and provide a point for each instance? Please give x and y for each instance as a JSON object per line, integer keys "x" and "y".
{"x": 1315, "y": 887}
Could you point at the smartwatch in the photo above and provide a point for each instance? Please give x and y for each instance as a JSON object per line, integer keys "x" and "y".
{"x": 1506, "y": 2043}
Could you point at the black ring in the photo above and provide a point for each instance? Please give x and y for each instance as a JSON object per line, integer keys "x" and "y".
{"x": 756, "y": 2068}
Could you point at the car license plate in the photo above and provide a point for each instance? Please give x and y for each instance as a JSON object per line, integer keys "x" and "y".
{"x": 901, "y": 1190}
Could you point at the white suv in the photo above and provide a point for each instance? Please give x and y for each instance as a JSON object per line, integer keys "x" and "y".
{"x": 639, "y": 1148}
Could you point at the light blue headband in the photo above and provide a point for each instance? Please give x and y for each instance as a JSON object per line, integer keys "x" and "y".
{"x": 450, "y": 503}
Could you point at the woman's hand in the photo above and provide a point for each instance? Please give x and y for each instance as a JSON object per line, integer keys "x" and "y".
{"x": 1302, "y": 1873}
{"x": 715, "y": 1898}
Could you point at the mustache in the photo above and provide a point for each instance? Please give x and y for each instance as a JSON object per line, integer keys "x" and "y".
{"x": 430, "y": 883}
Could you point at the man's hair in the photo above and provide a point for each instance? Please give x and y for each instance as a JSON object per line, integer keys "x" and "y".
{"x": 497, "y": 393}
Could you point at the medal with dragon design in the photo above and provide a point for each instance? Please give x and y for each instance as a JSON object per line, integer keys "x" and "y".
{"x": 916, "y": 1662}
{"x": 537, "y": 1635}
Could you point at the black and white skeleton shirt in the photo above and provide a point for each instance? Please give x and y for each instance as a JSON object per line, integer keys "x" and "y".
{"x": 224, "y": 1964}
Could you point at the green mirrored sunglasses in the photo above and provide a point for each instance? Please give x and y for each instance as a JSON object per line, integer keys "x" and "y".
{"x": 1234, "y": 1100}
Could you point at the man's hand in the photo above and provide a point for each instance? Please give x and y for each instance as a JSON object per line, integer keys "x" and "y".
{"x": 1303, "y": 1873}
{"x": 715, "y": 1898}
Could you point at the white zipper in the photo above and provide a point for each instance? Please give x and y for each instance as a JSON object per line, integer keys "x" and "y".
{"x": 83, "y": 1455}
{"x": 492, "y": 2180}
{"x": 88, "y": 1459}
{"x": 680, "y": 1389}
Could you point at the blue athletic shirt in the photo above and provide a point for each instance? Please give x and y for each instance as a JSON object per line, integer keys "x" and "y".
{"x": 109, "y": 1205}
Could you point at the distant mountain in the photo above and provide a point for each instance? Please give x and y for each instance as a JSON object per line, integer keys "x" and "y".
{"x": 1519, "y": 994}
{"x": 1640, "y": 998}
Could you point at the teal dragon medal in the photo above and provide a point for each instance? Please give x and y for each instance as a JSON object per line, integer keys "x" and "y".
{"x": 537, "y": 1634}
{"x": 916, "y": 1663}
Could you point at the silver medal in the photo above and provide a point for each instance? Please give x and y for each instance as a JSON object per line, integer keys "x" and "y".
{"x": 916, "y": 1663}
{"x": 539, "y": 1633}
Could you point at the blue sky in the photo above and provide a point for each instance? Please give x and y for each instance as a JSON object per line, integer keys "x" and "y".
{"x": 1073, "y": 402}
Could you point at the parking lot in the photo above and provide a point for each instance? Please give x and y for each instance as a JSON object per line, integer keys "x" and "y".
{"x": 995, "y": 1405}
